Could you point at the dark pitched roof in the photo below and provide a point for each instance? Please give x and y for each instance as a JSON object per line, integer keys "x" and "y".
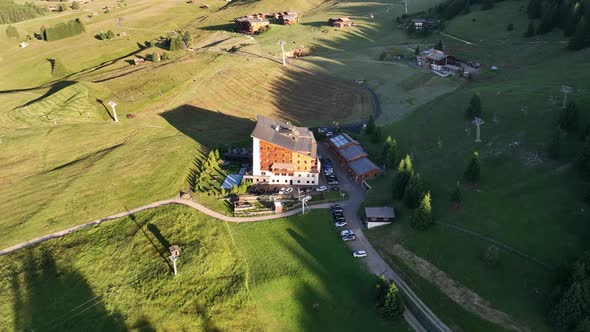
{"x": 352, "y": 152}
{"x": 362, "y": 166}
{"x": 287, "y": 136}
{"x": 438, "y": 55}
{"x": 380, "y": 212}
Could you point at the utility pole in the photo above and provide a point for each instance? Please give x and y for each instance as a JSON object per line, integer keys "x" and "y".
{"x": 112, "y": 104}
{"x": 174, "y": 254}
{"x": 566, "y": 90}
{"x": 282, "y": 43}
{"x": 477, "y": 122}
{"x": 406, "y": 3}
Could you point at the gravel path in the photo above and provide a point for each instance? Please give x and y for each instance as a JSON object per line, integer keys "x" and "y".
{"x": 154, "y": 205}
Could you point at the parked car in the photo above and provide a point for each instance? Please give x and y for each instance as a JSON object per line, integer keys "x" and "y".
{"x": 359, "y": 254}
{"x": 340, "y": 223}
{"x": 282, "y": 191}
{"x": 339, "y": 219}
{"x": 337, "y": 215}
{"x": 329, "y": 134}
{"x": 349, "y": 238}
{"x": 288, "y": 190}
{"x": 335, "y": 206}
{"x": 321, "y": 188}
{"x": 333, "y": 183}
{"x": 337, "y": 210}
{"x": 346, "y": 232}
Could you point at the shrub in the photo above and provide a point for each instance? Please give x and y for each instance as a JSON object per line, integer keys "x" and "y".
{"x": 11, "y": 32}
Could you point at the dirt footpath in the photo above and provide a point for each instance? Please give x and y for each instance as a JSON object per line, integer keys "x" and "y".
{"x": 461, "y": 295}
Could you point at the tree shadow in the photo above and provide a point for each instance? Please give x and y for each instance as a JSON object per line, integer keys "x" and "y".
{"x": 53, "y": 89}
{"x": 48, "y": 297}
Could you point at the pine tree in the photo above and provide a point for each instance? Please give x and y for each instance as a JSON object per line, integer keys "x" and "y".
{"x": 393, "y": 308}
{"x": 530, "y": 31}
{"x": 377, "y": 135}
{"x": 154, "y": 57}
{"x": 417, "y": 50}
{"x": 392, "y": 156}
{"x": 422, "y": 216}
{"x": 581, "y": 37}
{"x": 439, "y": 45}
{"x": 535, "y": 9}
{"x": 554, "y": 148}
{"x": 381, "y": 289}
{"x": 474, "y": 108}
{"x": 568, "y": 117}
{"x": 414, "y": 191}
{"x": 401, "y": 178}
{"x": 165, "y": 56}
{"x": 187, "y": 38}
{"x": 110, "y": 34}
{"x": 472, "y": 173}
{"x": 456, "y": 196}
{"x": 583, "y": 161}
{"x": 370, "y": 128}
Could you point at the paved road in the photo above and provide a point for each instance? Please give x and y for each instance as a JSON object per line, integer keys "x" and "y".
{"x": 418, "y": 315}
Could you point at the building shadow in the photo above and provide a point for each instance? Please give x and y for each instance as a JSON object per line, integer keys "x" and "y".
{"x": 208, "y": 128}
{"x": 48, "y": 297}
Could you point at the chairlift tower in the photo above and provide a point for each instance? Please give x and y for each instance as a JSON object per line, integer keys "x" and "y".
{"x": 566, "y": 90}
{"x": 174, "y": 254}
{"x": 477, "y": 122}
{"x": 303, "y": 200}
{"x": 112, "y": 104}
{"x": 282, "y": 43}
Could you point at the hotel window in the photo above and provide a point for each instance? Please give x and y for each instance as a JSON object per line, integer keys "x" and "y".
{"x": 298, "y": 181}
{"x": 307, "y": 181}
{"x": 312, "y": 182}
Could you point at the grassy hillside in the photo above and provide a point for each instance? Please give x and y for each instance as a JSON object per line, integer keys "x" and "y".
{"x": 304, "y": 278}
{"x": 117, "y": 276}
{"x": 526, "y": 201}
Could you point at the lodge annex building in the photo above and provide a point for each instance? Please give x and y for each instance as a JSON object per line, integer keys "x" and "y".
{"x": 283, "y": 154}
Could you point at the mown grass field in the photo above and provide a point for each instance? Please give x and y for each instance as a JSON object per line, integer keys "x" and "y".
{"x": 304, "y": 278}
{"x": 86, "y": 167}
{"x": 117, "y": 276}
{"x": 525, "y": 200}
{"x": 290, "y": 275}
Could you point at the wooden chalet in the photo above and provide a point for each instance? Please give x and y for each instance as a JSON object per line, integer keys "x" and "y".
{"x": 353, "y": 157}
{"x": 250, "y": 24}
{"x": 288, "y": 18}
{"x": 378, "y": 216}
{"x": 340, "y": 22}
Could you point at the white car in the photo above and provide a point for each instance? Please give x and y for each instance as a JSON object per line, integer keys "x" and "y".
{"x": 288, "y": 190}
{"x": 282, "y": 191}
{"x": 346, "y": 232}
{"x": 359, "y": 254}
{"x": 321, "y": 188}
{"x": 341, "y": 224}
